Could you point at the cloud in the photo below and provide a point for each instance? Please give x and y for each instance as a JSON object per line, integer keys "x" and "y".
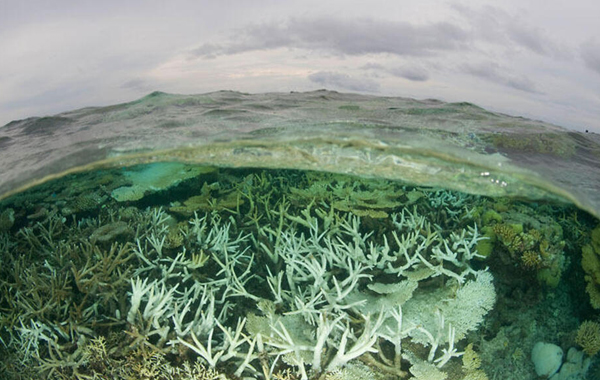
{"x": 493, "y": 72}
{"x": 138, "y": 84}
{"x": 494, "y": 25}
{"x": 415, "y": 74}
{"x": 344, "y": 81}
{"x": 406, "y": 71}
{"x": 530, "y": 38}
{"x": 590, "y": 52}
{"x": 344, "y": 37}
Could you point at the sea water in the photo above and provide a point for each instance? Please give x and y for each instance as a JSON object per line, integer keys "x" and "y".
{"x": 301, "y": 258}
{"x": 201, "y": 271}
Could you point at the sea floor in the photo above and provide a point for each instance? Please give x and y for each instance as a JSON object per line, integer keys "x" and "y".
{"x": 173, "y": 271}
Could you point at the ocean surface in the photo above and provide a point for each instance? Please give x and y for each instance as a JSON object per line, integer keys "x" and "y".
{"x": 315, "y": 235}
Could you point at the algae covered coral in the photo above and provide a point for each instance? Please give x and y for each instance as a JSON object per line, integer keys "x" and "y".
{"x": 268, "y": 274}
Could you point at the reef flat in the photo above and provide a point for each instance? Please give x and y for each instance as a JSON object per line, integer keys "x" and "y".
{"x": 178, "y": 271}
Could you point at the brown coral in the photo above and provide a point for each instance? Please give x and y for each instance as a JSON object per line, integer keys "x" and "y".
{"x": 531, "y": 259}
{"x": 471, "y": 360}
{"x": 505, "y": 233}
{"x": 471, "y": 363}
{"x": 174, "y": 238}
{"x": 588, "y": 337}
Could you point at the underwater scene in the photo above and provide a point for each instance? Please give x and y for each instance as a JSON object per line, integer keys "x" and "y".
{"x": 298, "y": 236}
{"x": 178, "y": 271}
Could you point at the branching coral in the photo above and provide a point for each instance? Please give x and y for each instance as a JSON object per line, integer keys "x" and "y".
{"x": 588, "y": 337}
{"x": 296, "y": 286}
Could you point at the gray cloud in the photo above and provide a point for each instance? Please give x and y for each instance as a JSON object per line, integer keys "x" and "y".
{"x": 138, "y": 84}
{"x": 53, "y": 96}
{"x": 494, "y": 73}
{"x": 415, "y": 74}
{"x": 410, "y": 72}
{"x": 494, "y": 25}
{"x": 530, "y": 38}
{"x": 345, "y": 37}
{"x": 344, "y": 81}
{"x": 373, "y": 66}
{"x": 590, "y": 52}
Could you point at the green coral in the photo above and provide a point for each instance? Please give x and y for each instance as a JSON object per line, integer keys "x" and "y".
{"x": 7, "y": 219}
{"x": 590, "y": 263}
{"x": 491, "y": 216}
{"x": 485, "y": 247}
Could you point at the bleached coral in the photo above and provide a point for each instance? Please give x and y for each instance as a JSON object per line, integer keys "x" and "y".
{"x": 319, "y": 307}
{"x": 422, "y": 370}
{"x": 471, "y": 304}
{"x": 354, "y": 371}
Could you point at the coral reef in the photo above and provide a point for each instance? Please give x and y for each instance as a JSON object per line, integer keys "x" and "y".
{"x": 232, "y": 274}
{"x": 531, "y": 240}
{"x": 588, "y": 337}
{"x": 7, "y": 219}
{"x": 471, "y": 365}
{"x": 590, "y": 263}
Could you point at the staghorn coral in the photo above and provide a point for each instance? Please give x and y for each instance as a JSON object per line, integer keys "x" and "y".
{"x": 81, "y": 283}
{"x": 279, "y": 284}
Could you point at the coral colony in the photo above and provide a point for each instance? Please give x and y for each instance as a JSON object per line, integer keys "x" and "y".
{"x": 233, "y": 274}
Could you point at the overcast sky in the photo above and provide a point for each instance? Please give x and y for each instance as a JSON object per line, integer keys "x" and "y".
{"x": 532, "y": 58}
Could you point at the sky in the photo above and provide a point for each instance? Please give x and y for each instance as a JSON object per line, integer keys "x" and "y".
{"x": 533, "y": 58}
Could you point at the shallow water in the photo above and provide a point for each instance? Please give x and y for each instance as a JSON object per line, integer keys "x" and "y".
{"x": 296, "y": 236}
{"x": 457, "y": 146}
{"x": 261, "y": 273}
